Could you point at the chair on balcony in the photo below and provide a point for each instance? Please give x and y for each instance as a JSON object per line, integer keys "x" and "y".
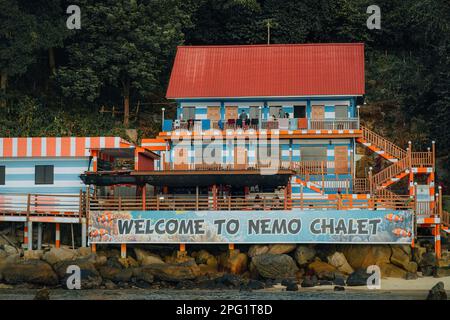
{"x": 231, "y": 123}
{"x": 239, "y": 123}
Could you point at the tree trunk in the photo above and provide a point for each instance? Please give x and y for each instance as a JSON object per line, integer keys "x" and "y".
{"x": 3, "y": 83}
{"x": 51, "y": 61}
{"x": 126, "y": 103}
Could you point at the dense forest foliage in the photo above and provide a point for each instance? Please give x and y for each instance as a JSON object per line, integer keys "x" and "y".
{"x": 112, "y": 73}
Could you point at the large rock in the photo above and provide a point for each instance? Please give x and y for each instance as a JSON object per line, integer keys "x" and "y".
{"x": 339, "y": 261}
{"x": 204, "y": 257}
{"x": 389, "y": 270}
{"x": 304, "y": 254}
{"x": 233, "y": 261}
{"x": 10, "y": 250}
{"x": 322, "y": 269}
{"x": 362, "y": 256}
{"x": 437, "y": 292}
{"x": 29, "y": 271}
{"x": 55, "y": 255}
{"x": 428, "y": 259}
{"x": 358, "y": 278}
{"x": 90, "y": 277}
{"x": 402, "y": 258}
{"x": 33, "y": 254}
{"x": 281, "y": 248}
{"x": 173, "y": 272}
{"x": 146, "y": 258}
{"x": 257, "y": 249}
{"x": 143, "y": 274}
{"x": 116, "y": 274}
{"x": 441, "y": 272}
{"x": 418, "y": 253}
{"x": 275, "y": 266}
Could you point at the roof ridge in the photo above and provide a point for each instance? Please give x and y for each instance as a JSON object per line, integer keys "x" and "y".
{"x": 274, "y": 45}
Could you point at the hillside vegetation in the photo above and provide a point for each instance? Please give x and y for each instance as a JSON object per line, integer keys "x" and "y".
{"x": 112, "y": 73}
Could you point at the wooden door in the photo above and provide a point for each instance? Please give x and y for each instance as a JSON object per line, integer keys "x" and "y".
{"x": 341, "y": 159}
{"x": 231, "y": 112}
{"x": 317, "y": 112}
{"x": 240, "y": 158}
{"x": 214, "y": 113}
{"x": 180, "y": 159}
{"x": 317, "y": 116}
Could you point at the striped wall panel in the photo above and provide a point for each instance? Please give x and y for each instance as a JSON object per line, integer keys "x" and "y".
{"x": 56, "y": 146}
{"x": 20, "y": 175}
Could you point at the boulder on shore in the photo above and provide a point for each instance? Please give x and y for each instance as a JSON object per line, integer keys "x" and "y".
{"x": 281, "y": 248}
{"x": 29, "y": 271}
{"x": 173, "y": 272}
{"x": 304, "y": 254}
{"x": 275, "y": 266}
{"x": 322, "y": 269}
{"x": 361, "y": 256}
{"x": 116, "y": 275}
{"x": 389, "y": 270}
{"x": 233, "y": 261}
{"x": 146, "y": 258}
{"x": 257, "y": 249}
{"x": 90, "y": 277}
{"x": 401, "y": 257}
{"x": 55, "y": 255}
{"x": 358, "y": 278}
{"x": 339, "y": 261}
{"x": 437, "y": 292}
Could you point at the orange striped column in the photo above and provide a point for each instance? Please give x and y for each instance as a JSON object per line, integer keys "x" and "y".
{"x": 123, "y": 250}
{"x": 231, "y": 246}
{"x": 437, "y": 241}
{"x": 25, "y": 235}
{"x": 57, "y": 235}
{"x": 93, "y": 248}
{"x": 182, "y": 247}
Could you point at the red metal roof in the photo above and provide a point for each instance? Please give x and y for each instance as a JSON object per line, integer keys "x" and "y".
{"x": 267, "y": 70}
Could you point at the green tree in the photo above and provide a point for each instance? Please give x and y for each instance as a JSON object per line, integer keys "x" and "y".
{"x": 123, "y": 45}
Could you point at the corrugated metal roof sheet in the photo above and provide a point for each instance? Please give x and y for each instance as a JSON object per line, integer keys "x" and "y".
{"x": 267, "y": 70}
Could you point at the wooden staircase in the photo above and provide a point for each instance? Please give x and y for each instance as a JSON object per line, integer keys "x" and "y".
{"x": 403, "y": 160}
{"x": 381, "y": 146}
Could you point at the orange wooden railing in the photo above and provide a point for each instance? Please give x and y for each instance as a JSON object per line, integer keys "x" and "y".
{"x": 43, "y": 204}
{"x": 384, "y": 175}
{"x": 383, "y": 143}
{"x": 422, "y": 159}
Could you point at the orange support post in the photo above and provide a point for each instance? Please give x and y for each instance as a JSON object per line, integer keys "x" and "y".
{"x": 437, "y": 241}
{"x": 25, "y": 235}
{"x": 123, "y": 250}
{"x": 93, "y": 248}
{"x": 182, "y": 247}
{"x": 231, "y": 246}
{"x": 57, "y": 235}
{"x": 144, "y": 197}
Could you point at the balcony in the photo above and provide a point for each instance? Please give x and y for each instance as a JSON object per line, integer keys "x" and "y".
{"x": 255, "y": 124}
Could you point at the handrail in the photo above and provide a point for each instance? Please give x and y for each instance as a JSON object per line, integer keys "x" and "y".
{"x": 389, "y": 172}
{"x": 422, "y": 159}
{"x": 383, "y": 143}
{"x": 42, "y": 204}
